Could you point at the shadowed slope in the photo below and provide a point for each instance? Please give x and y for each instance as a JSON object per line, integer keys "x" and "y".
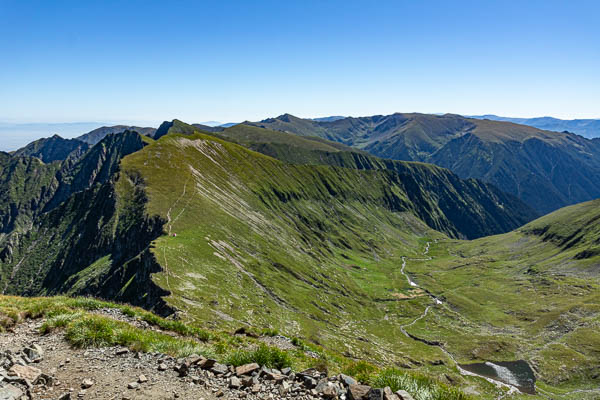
{"x": 547, "y": 170}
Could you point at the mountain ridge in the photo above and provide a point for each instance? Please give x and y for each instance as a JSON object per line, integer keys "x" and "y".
{"x": 207, "y": 227}
{"x": 520, "y": 160}
{"x": 95, "y": 136}
{"x": 586, "y": 127}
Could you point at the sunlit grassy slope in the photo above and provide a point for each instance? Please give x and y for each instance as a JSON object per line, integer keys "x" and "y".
{"x": 313, "y": 251}
{"x": 530, "y": 294}
{"x": 251, "y": 240}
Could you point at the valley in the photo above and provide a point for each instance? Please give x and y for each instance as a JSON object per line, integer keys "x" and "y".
{"x": 362, "y": 256}
{"x": 300, "y": 200}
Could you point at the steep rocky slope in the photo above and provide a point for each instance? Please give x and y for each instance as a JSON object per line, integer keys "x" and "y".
{"x": 52, "y": 149}
{"x": 65, "y": 220}
{"x": 95, "y": 136}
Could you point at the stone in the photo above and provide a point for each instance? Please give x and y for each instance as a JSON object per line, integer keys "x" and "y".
{"x": 206, "y": 363}
{"x": 34, "y": 353}
{"x": 219, "y": 369}
{"x": 375, "y": 394}
{"x": 246, "y": 369}
{"x": 272, "y": 376}
{"x": 284, "y": 388}
{"x": 234, "y": 382}
{"x": 87, "y": 383}
{"x": 256, "y": 388}
{"x": 358, "y": 392}
{"x": 286, "y": 371}
{"x": 404, "y": 395}
{"x": 309, "y": 382}
{"x": 312, "y": 372}
{"x": 122, "y": 351}
{"x": 247, "y": 381}
{"x": 193, "y": 360}
{"x": 28, "y": 373}
{"x": 183, "y": 369}
{"x": 162, "y": 367}
{"x": 132, "y": 385}
{"x": 347, "y": 380}
{"x": 10, "y": 392}
{"x": 65, "y": 396}
{"x": 142, "y": 379}
{"x": 326, "y": 389}
{"x": 388, "y": 394}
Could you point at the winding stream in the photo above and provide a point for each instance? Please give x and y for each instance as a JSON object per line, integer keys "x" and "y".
{"x": 517, "y": 376}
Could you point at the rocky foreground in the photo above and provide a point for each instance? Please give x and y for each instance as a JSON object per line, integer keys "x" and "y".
{"x": 35, "y": 366}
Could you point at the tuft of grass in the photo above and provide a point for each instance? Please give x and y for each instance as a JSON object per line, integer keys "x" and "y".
{"x": 97, "y": 331}
{"x": 91, "y": 331}
{"x": 172, "y": 325}
{"x": 362, "y": 371}
{"x": 58, "y": 321}
{"x": 269, "y": 332}
{"x": 419, "y": 386}
{"x": 270, "y": 357}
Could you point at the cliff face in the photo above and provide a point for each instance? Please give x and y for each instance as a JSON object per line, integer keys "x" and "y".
{"x": 87, "y": 232}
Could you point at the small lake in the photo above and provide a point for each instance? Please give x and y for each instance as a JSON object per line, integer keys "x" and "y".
{"x": 515, "y": 373}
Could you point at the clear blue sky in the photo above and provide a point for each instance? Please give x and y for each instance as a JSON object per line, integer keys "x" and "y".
{"x": 144, "y": 61}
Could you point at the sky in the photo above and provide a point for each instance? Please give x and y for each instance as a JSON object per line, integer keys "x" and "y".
{"x": 144, "y": 62}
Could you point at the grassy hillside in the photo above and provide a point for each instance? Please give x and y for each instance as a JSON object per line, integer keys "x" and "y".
{"x": 228, "y": 237}
{"x": 547, "y": 170}
{"x": 531, "y": 294}
{"x": 317, "y": 151}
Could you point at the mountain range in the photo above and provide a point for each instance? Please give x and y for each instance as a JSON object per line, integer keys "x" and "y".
{"x": 298, "y": 226}
{"x": 547, "y": 170}
{"x": 589, "y": 128}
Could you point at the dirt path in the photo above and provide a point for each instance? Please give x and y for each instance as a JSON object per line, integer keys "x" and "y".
{"x": 114, "y": 376}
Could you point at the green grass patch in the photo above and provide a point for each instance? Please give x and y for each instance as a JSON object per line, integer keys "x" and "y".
{"x": 419, "y": 386}
{"x": 270, "y": 357}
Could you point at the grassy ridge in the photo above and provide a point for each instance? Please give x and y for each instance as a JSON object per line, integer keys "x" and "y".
{"x": 311, "y": 251}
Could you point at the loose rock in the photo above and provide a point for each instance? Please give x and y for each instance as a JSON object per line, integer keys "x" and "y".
{"x": 87, "y": 383}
